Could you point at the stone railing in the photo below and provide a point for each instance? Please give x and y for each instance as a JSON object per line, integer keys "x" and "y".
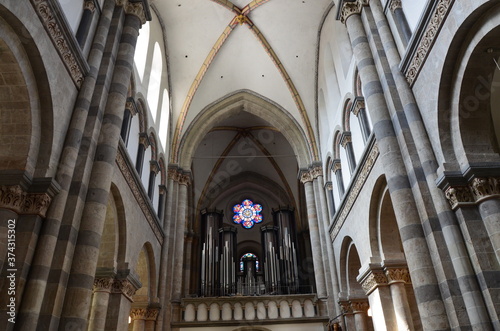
{"x": 251, "y": 308}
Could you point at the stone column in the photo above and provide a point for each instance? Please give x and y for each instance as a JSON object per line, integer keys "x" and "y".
{"x": 414, "y": 242}
{"x": 396, "y": 8}
{"x": 130, "y": 112}
{"x": 451, "y": 234}
{"x": 328, "y": 187}
{"x": 397, "y": 278}
{"x": 358, "y": 109}
{"x": 154, "y": 167}
{"x": 151, "y": 316}
{"x": 75, "y": 312}
{"x": 319, "y": 271}
{"x": 144, "y": 143}
{"x": 138, "y": 316}
{"x": 123, "y": 288}
{"x": 348, "y": 322}
{"x": 337, "y": 170}
{"x": 30, "y": 306}
{"x": 180, "y": 229}
{"x": 486, "y": 192}
{"x": 360, "y": 310}
{"x": 85, "y": 22}
{"x": 100, "y": 301}
{"x": 165, "y": 291}
{"x": 325, "y": 230}
{"x": 346, "y": 142}
{"x": 187, "y": 263}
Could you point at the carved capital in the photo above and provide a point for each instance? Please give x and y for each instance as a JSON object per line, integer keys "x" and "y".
{"x": 336, "y": 166}
{"x": 103, "y": 284}
{"x": 152, "y": 314}
{"x": 138, "y": 313}
{"x": 89, "y": 5}
{"x": 458, "y": 195}
{"x": 185, "y": 179}
{"x": 484, "y": 188}
{"x": 351, "y": 8}
{"x": 357, "y": 105}
{"x": 395, "y": 4}
{"x": 345, "y": 138}
{"x": 154, "y": 166}
{"x": 306, "y": 177}
{"x": 124, "y": 287}
{"x": 15, "y": 198}
{"x": 345, "y": 306}
{"x": 398, "y": 275}
{"x": 131, "y": 106}
{"x": 359, "y": 306}
{"x": 137, "y": 9}
{"x": 144, "y": 139}
{"x": 316, "y": 172}
{"x": 372, "y": 280}
{"x": 329, "y": 186}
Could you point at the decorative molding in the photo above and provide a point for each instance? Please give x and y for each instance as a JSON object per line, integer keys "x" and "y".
{"x": 395, "y": 4}
{"x": 103, "y": 284}
{"x": 306, "y": 176}
{"x": 138, "y": 313}
{"x": 357, "y": 105}
{"x": 372, "y": 280}
{"x": 485, "y": 187}
{"x": 336, "y": 165}
{"x": 125, "y": 287}
{"x": 359, "y": 306}
{"x": 477, "y": 190}
{"x": 458, "y": 196}
{"x": 350, "y": 8}
{"x": 316, "y": 172}
{"x": 60, "y": 38}
{"x": 139, "y": 194}
{"x": 345, "y": 138}
{"x": 89, "y": 5}
{"x": 398, "y": 275}
{"x": 356, "y": 187}
{"x": 427, "y": 41}
{"x": 21, "y": 202}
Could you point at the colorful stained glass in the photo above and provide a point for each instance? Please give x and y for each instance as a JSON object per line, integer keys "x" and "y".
{"x": 247, "y": 214}
{"x": 249, "y": 255}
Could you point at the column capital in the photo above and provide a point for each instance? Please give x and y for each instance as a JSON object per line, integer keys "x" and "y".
{"x": 395, "y": 4}
{"x": 306, "y": 176}
{"x": 398, "y": 275}
{"x": 345, "y": 138}
{"x": 458, "y": 195}
{"x": 154, "y": 166}
{"x": 317, "y": 171}
{"x": 485, "y": 187}
{"x": 349, "y": 8}
{"x": 103, "y": 284}
{"x": 138, "y": 313}
{"x": 17, "y": 199}
{"x": 152, "y": 313}
{"x": 89, "y": 5}
{"x": 359, "y": 306}
{"x": 373, "y": 279}
{"x": 345, "y": 306}
{"x": 357, "y": 105}
{"x": 336, "y": 165}
{"x": 136, "y": 8}
{"x": 131, "y": 106}
{"x": 144, "y": 139}
{"x": 185, "y": 179}
{"x": 329, "y": 186}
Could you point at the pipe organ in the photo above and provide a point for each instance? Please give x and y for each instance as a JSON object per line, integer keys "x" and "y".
{"x": 220, "y": 266}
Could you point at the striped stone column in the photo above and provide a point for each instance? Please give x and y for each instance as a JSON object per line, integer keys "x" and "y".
{"x": 165, "y": 293}
{"x": 452, "y": 235}
{"x": 312, "y": 217}
{"x": 36, "y": 285}
{"x": 426, "y": 287}
{"x": 329, "y": 259}
{"x": 100, "y": 301}
{"x": 178, "y": 252}
{"x": 78, "y": 293}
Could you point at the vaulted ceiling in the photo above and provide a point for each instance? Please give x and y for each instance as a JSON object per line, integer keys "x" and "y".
{"x": 266, "y": 47}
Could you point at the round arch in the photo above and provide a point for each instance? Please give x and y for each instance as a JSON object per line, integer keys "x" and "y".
{"x": 250, "y": 102}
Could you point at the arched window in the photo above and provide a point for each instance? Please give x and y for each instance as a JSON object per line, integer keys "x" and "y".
{"x": 249, "y": 256}
{"x": 155, "y": 81}
{"x": 141, "y": 50}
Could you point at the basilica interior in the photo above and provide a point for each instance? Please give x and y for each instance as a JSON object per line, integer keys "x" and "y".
{"x": 249, "y": 165}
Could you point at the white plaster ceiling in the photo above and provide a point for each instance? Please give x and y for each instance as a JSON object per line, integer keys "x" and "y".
{"x": 273, "y": 54}
{"x": 193, "y": 28}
